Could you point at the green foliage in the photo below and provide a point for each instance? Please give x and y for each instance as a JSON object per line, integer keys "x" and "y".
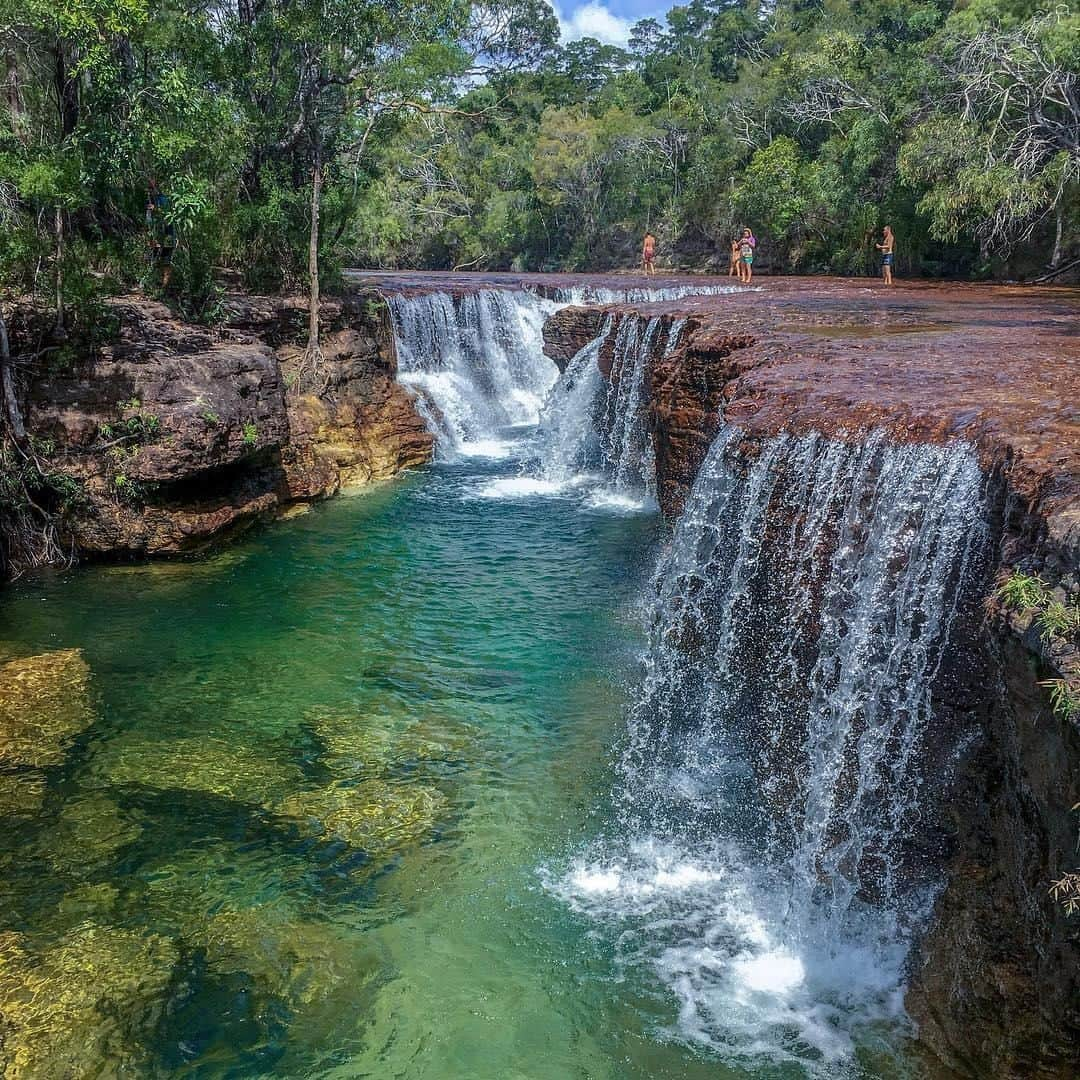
{"x": 249, "y": 434}
{"x": 1058, "y": 622}
{"x": 1064, "y": 699}
{"x": 1021, "y": 591}
{"x": 27, "y": 483}
{"x": 134, "y": 429}
{"x": 815, "y": 124}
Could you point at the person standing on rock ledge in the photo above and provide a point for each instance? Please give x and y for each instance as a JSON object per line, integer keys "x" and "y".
{"x": 162, "y": 231}
{"x": 648, "y": 254}
{"x": 747, "y": 244}
{"x": 886, "y": 246}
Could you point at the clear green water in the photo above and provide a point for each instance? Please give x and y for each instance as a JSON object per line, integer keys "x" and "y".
{"x": 304, "y": 832}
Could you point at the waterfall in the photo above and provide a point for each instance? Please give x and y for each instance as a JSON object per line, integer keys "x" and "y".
{"x": 594, "y": 294}
{"x": 592, "y": 424}
{"x": 476, "y": 362}
{"x": 773, "y": 786}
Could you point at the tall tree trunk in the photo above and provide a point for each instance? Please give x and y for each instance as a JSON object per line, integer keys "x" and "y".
{"x": 13, "y": 89}
{"x": 60, "y": 330}
{"x": 1055, "y": 258}
{"x": 67, "y": 90}
{"x": 12, "y": 412}
{"x": 313, "y": 255}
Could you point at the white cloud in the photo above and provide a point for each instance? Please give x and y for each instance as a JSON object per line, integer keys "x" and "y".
{"x": 595, "y": 21}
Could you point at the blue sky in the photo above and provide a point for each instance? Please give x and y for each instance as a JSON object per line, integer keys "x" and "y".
{"x": 608, "y": 20}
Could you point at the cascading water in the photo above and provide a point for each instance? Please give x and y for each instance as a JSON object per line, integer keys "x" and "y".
{"x": 593, "y": 425}
{"x": 773, "y": 783}
{"x": 475, "y": 361}
{"x": 592, "y": 294}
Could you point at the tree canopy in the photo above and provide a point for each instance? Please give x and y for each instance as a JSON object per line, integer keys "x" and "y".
{"x": 293, "y": 137}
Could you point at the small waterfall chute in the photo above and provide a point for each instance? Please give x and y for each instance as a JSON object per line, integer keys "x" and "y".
{"x": 597, "y": 426}
{"x": 475, "y": 361}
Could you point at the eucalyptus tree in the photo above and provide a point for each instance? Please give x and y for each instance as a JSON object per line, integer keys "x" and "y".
{"x": 1001, "y": 152}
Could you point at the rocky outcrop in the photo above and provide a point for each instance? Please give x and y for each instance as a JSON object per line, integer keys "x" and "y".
{"x": 176, "y": 435}
{"x": 995, "y": 985}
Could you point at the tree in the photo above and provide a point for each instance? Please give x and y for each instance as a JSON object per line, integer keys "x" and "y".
{"x": 1005, "y": 151}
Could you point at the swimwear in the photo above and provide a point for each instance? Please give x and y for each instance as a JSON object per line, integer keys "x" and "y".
{"x": 748, "y": 259}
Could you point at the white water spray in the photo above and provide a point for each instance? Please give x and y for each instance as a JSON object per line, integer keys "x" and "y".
{"x": 592, "y": 426}
{"x": 476, "y": 362}
{"x": 773, "y": 784}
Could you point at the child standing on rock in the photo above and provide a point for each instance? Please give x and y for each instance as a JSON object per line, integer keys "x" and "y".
{"x": 747, "y": 244}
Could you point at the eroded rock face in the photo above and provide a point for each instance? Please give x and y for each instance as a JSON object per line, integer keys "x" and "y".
{"x": 217, "y": 399}
{"x": 363, "y": 427}
{"x": 994, "y": 988}
{"x": 178, "y": 435}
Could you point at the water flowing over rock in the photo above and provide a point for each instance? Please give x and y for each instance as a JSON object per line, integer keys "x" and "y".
{"x": 596, "y": 418}
{"x": 475, "y": 361}
{"x": 773, "y": 784}
{"x": 475, "y": 357}
{"x": 598, "y": 294}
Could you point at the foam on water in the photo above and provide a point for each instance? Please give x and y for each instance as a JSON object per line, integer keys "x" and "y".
{"x": 775, "y": 766}
{"x": 518, "y": 487}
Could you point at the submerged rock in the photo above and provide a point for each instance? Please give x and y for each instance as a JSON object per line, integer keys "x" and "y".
{"x": 22, "y": 794}
{"x": 300, "y": 961}
{"x": 359, "y": 745}
{"x": 87, "y": 835}
{"x": 44, "y": 704}
{"x": 212, "y": 766}
{"x": 83, "y": 1008}
{"x": 372, "y": 816}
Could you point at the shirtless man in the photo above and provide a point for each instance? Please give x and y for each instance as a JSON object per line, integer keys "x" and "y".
{"x": 648, "y": 254}
{"x": 888, "y": 242}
